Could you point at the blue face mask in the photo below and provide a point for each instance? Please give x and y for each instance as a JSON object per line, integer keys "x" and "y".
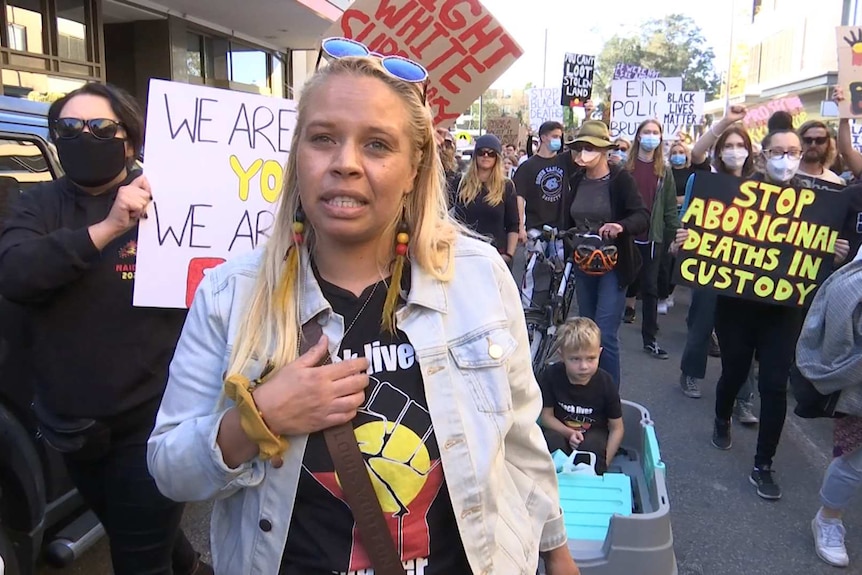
{"x": 650, "y": 142}
{"x": 555, "y": 144}
{"x": 677, "y": 160}
{"x": 620, "y": 155}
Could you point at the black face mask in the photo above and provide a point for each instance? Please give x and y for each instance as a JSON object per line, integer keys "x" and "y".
{"x": 91, "y": 162}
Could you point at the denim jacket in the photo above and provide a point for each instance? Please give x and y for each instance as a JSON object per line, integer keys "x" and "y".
{"x": 484, "y": 409}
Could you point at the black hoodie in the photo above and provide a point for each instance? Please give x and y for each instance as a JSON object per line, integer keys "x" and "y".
{"x": 93, "y": 354}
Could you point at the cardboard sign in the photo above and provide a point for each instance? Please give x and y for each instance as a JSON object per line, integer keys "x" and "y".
{"x": 856, "y": 134}
{"x": 756, "y": 119}
{"x": 507, "y": 128}
{"x": 850, "y": 70}
{"x": 632, "y": 72}
{"x": 759, "y": 241}
{"x": 461, "y": 44}
{"x": 544, "y": 106}
{"x": 633, "y": 101}
{"x": 577, "y": 85}
{"x": 215, "y": 159}
{"x": 680, "y": 111}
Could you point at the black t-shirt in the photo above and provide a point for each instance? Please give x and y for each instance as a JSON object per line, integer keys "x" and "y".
{"x": 541, "y": 182}
{"x": 492, "y": 221}
{"x": 396, "y": 436}
{"x": 583, "y": 407}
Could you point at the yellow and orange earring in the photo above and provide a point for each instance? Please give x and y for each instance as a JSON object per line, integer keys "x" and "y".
{"x": 402, "y": 249}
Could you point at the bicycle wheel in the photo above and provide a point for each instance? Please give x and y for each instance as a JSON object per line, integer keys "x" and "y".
{"x": 567, "y": 297}
{"x": 540, "y": 361}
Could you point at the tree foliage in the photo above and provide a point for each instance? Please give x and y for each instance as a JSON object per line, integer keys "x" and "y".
{"x": 673, "y": 45}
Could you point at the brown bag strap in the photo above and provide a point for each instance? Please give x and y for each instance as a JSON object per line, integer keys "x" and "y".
{"x": 355, "y": 483}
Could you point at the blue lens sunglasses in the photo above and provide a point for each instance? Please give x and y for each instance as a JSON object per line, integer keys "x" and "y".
{"x": 396, "y": 66}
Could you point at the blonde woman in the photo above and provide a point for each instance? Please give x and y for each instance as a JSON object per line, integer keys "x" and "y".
{"x": 486, "y": 201}
{"x": 430, "y": 363}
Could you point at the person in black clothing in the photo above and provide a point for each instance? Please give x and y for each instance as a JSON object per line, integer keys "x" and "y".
{"x": 541, "y": 180}
{"x": 746, "y": 328}
{"x": 581, "y": 407}
{"x": 605, "y": 201}
{"x": 485, "y": 199}
{"x": 446, "y": 145}
{"x": 67, "y": 254}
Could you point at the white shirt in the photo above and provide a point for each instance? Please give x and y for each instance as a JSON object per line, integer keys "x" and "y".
{"x": 827, "y": 176}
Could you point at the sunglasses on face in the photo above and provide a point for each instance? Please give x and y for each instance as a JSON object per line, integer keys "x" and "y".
{"x": 486, "y": 153}
{"x": 396, "y": 66}
{"x": 812, "y": 141}
{"x": 101, "y": 128}
{"x": 448, "y": 144}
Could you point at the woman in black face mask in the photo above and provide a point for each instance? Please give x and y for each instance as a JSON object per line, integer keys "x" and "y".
{"x": 99, "y": 366}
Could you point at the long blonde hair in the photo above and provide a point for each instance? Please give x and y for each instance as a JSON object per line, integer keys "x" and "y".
{"x": 270, "y": 327}
{"x": 471, "y": 185}
{"x": 658, "y": 158}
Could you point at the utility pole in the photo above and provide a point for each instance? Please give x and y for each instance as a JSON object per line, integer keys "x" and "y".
{"x": 729, "y": 58}
{"x": 545, "y": 63}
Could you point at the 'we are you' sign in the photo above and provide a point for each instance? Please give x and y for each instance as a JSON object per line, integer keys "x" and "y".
{"x": 215, "y": 160}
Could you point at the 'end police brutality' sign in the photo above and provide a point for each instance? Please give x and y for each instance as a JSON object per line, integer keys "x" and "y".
{"x": 634, "y": 101}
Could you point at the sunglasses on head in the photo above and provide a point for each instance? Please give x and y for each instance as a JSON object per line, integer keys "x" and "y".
{"x": 101, "y": 128}
{"x": 486, "y": 153}
{"x": 396, "y": 66}
{"x": 818, "y": 141}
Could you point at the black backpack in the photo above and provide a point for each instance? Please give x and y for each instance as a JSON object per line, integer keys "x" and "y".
{"x": 810, "y": 403}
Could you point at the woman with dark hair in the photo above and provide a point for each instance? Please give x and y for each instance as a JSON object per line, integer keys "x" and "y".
{"x": 733, "y": 155}
{"x": 100, "y": 365}
{"x": 746, "y": 328}
{"x": 655, "y": 183}
{"x": 485, "y": 200}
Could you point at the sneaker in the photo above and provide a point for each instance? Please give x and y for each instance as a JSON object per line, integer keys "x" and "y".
{"x": 721, "y": 438}
{"x": 689, "y": 386}
{"x": 655, "y": 350}
{"x": 669, "y": 301}
{"x": 829, "y": 541}
{"x": 742, "y": 411}
{"x": 714, "y": 350}
{"x": 767, "y": 488}
{"x": 629, "y": 316}
{"x": 662, "y": 307}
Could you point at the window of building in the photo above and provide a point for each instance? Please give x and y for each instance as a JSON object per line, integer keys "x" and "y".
{"x": 25, "y": 25}
{"x": 249, "y": 65}
{"x": 72, "y": 30}
{"x": 17, "y": 37}
{"x": 195, "y": 55}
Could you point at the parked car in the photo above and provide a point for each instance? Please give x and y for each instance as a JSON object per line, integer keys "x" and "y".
{"x": 41, "y": 515}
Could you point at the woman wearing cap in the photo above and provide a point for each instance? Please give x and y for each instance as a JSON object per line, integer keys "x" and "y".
{"x": 604, "y": 199}
{"x": 486, "y": 201}
{"x": 446, "y": 142}
{"x": 423, "y": 356}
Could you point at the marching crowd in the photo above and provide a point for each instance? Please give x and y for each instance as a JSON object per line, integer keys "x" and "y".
{"x": 384, "y": 303}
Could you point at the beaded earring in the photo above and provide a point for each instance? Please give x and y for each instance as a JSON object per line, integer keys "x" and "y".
{"x": 291, "y": 260}
{"x": 402, "y": 249}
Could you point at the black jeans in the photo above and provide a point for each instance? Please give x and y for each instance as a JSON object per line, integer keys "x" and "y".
{"x": 665, "y": 275}
{"x": 646, "y": 284}
{"x": 143, "y": 526}
{"x": 743, "y": 328}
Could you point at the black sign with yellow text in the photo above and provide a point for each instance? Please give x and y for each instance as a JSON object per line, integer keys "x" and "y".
{"x": 759, "y": 241}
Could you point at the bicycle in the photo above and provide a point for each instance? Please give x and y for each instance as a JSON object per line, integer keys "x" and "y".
{"x": 542, "y": 320}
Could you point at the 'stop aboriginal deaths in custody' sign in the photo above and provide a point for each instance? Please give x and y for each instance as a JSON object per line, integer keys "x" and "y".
{"x": 460, "y": 43}
{"x": 759, "y": 241}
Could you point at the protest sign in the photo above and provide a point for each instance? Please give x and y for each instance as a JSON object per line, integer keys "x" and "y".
{"x": 544, "y": 106}
{"x": 507, "y": 128}
{"x": 577, "y": 85}
{"x": 759, "y": 241}
{"x": 215, "y": 162}
{"x": 633, "y": 101}
{"x": 756, "y": 119}
{"x": 850, "y": 70}
{"x": 856, "y": 135}
{"x": 680, "y": 111}
{"x": 461, "y": 44}
{"x": 632, "y": 72}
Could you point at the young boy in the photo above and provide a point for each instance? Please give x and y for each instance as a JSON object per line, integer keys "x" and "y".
{"x": 582, "y": 410}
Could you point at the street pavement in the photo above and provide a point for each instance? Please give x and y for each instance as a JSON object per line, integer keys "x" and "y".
{"x": 720, "y": 525}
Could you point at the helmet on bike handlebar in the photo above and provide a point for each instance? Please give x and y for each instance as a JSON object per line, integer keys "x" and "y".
{"x": 593, "y": 256}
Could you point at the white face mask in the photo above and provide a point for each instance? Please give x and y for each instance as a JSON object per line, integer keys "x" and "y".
{"x": 587, "y": 158}
{"x": 782, "y": 169}
{"x": 734, "y": 158}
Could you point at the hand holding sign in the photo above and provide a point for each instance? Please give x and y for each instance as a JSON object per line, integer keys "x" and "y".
{"x": 302, "y": 398}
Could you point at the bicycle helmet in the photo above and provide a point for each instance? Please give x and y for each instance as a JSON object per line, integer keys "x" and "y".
{"x": 593, "y": 256}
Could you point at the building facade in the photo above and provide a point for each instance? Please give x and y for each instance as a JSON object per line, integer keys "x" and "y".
{"x": 49, "y": 47}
